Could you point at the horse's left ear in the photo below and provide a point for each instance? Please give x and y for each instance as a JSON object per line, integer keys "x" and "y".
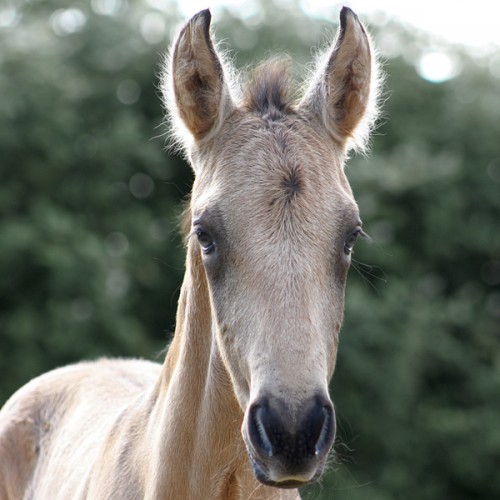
{"x": 343, "y": 92}
{"x": 194, "y": 85}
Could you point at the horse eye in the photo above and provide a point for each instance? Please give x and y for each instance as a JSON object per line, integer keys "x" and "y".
{"x": 351, "y": 241}
{"x": 205, "y": 240}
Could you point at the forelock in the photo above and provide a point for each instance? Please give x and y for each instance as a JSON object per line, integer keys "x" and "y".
{"x": 270, "y": 90}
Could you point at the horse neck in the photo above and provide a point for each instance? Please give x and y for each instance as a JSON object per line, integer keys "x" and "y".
{"x": 195, "y": 425}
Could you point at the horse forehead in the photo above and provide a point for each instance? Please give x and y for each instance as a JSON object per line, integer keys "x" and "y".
{"x": 287, "y": 158}
{"x": 283, "y": 207}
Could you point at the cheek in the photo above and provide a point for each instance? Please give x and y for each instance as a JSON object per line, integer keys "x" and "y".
{"x": 341, "y": 269}
{"x": 232, "y": 337}
{"x": 333, "y": 312}
{"x": 232, "y": 349}
{"x": 333, "y": 348}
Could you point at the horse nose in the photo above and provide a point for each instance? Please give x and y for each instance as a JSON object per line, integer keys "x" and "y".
{"x": 292, "y": 437}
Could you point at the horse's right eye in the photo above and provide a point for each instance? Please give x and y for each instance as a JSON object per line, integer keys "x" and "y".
{"x": 206, "y": 241}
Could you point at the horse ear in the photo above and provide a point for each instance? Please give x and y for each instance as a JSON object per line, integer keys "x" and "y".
{"x": 343, "y": 92}
{"x": 198, "y": 92}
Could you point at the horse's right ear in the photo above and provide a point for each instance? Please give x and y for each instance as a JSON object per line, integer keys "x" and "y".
{"x": 194, "y": 86}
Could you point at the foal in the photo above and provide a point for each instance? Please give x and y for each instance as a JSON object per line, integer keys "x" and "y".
{"x": 240, "y": 407}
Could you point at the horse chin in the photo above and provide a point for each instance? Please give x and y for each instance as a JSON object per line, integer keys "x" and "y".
{"x": 263, "y": 476}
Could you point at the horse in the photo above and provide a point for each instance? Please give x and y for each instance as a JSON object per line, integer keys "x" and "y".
{"x": 240, "y": 407}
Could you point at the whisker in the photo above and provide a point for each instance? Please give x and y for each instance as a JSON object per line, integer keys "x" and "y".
{"x": 170, "y": 183}
{"x": 368, "y": 268}
{"x": 363, "y": 273}
{"x": 167, "y": 264}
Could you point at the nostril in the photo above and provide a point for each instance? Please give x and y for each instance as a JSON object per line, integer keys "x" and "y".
{"x": 324, "y": 429}
{"x": 257, "y": 431}
{"x": 324, "y": 435}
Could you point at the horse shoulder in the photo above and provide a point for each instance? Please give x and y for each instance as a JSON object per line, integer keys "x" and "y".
{"x": 51, "y": 422}
{"x": 19, "y": 437}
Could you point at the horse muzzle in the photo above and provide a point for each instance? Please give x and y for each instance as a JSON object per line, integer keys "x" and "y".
{"x": 288, "y": 447}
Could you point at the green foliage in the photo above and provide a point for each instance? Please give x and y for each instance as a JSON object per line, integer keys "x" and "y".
{"x": 91, "y": 258}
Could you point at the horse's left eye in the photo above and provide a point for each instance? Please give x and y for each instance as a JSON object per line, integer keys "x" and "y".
{"x": 351, "y": 240}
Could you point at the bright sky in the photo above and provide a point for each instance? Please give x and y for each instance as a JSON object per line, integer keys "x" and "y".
{"x": 474, "y": 23}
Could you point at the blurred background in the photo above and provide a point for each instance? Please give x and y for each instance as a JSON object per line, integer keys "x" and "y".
{"x": 91, "y": 260}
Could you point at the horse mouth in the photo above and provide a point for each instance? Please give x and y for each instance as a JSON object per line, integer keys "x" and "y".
{"x": 263, "y": 476}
